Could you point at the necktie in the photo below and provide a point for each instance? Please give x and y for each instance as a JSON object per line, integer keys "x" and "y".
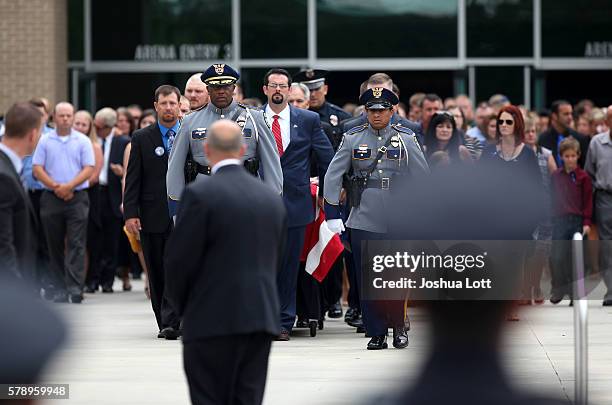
{"x": 170, "y": 134}
{"x": 277, "y": 135}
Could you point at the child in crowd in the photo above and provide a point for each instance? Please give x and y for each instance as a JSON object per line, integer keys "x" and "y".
{"x": 572, "y": 194}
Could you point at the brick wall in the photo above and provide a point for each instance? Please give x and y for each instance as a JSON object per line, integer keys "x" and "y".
{"x": 33, "y": 50}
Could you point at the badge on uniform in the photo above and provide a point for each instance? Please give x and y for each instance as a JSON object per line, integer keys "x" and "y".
{"x": 333, "y": 119}
{"x": 362, "y": 152}
{"x": 395, "y": 141}
{"x": 198, "y": 133}
{"x": 159, "y": 151}
{"x": 247, "y": 132}
{"x": 394, "y": 154}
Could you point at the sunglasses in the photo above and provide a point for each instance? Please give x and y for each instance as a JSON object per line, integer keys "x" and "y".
{"x": 508, "y": 122}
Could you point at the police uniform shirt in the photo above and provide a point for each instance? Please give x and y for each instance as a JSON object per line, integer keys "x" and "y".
{"x": 192, "y": 134}
{"x": 358, "y": 149}
{"x": 332, "y": 114}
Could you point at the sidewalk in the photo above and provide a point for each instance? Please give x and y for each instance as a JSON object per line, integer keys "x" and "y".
{"x": 115, "y": 357}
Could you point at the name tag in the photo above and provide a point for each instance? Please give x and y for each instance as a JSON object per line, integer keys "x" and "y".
{"x": 362, "y": 153}
{"x": 394, "y": 154}
{"x": 198, "y": 133}
{"x": 247, "y": 132}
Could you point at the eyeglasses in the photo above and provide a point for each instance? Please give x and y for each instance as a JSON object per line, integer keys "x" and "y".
{"x": 278, "y": 86}
{"x": 444, "y": 112}
{"x": 507, "y": 122}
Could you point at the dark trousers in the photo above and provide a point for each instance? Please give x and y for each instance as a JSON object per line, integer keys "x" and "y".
{"x": 153, "y": 247}
{"x": 564, "y": 229}
{"x": 378, "y": 316}
{"x": 227, "y": 369}
{"x": 308, "y": 296}
{"x": 42, "y": 277}
{"x": 353, "y": 292}
{"x": 102, "y": 270}
{"x": 287, "y": 279}
{"x": 65, "y": 227}
{"x": 332, "y": 284}
{"x": 603, "y": 219}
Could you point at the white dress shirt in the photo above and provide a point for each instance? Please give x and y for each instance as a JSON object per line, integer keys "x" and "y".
{"x": 284, "y": 121}
{"x": 107, "y": 147}
{"x": 224, "y": 162}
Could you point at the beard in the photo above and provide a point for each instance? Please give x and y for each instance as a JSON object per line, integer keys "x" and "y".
{"x": 278, "y": 98}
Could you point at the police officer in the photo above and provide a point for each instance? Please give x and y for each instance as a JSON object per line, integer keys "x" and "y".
{"x": 188, "y": 160}
{"x": 378, "y": 152}
{"x": 331, "y": 116}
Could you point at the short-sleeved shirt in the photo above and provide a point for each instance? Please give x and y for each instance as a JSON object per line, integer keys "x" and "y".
{"x": 63, "y": 157}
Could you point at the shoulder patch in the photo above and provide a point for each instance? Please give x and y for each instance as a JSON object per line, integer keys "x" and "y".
{"x": 358, "y": 128}
{"x": 241, "y": 105}
{"x": 399, "y": 128}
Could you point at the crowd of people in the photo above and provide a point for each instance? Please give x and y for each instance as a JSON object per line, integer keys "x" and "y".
{"x": 106, "y": 186}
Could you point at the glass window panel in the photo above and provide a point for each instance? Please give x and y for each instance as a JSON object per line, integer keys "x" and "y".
{"x": 161, "y": 30}
{"x": 274, "y": 29}
{"x": 489, "y": 82}
{"x": 577, "y": 28}
{"x": 76, "y": 50}
{"x": 499, "y": 28}
{"x": 386, "y": 28}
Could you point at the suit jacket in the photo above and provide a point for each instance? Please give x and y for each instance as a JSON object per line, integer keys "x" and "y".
{"x": 145, "y": 183}
{"x": 363, "y": 118}
{"x": 306, "y": 137}
{"x": 228, "y": 242}
{"x": 548, "y": 139}
{"x": 18, "y": 224}
{"x": 118, "y": 145}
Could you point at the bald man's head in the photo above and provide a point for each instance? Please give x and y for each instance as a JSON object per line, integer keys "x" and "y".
{"x": 196, "y": 92}
{"x": 224, "y": 141}
{"x": 63, "y": 116}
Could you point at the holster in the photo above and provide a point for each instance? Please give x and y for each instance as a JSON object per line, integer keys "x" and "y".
{"x": 252, "y": 166}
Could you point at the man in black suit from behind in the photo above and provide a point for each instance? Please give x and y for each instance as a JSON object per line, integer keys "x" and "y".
{"x": 228, "y": 242}
{"x": 145, "y": 201}
{"x": 17, "y": 218}
{"x": 559, "y": 129}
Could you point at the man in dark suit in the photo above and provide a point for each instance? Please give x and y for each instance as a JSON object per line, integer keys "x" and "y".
{"x": 297, "y": 134}
{"x": 145, "y": 203}
{"x": 560, "y": 121}
{"x": 17, "y": 217}
{"x": 110, "y": 197}
{"x": 228, "y": 242}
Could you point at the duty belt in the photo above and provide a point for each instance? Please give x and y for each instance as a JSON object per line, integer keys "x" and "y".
{"x": 203, "y": 169}
{"x": 383, "y": 183}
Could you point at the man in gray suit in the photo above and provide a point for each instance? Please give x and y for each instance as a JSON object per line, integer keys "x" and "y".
{"x": 379, "y": 153}
{"x": 261, "y": 156}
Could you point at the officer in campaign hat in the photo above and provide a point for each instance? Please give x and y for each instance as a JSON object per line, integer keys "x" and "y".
{"x": 187, "y": 158}
{"x": 378, "y": 153}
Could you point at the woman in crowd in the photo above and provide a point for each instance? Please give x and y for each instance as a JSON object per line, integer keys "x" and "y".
{"x": 442, "y": 135}
{"x": 125, "y": 123}
{"x": 490, "y": 123}
{"x": 515, "y": 164}
{"x": 83, "y": 122}
{"x": 534, "y": 265}
{"x": 148, "y": 117}
{"x": 472, "y": 144}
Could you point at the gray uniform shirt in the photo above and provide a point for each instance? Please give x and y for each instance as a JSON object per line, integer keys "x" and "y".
{"x": 192, "y": 136}
{"x": 599, "y": 161}
{"x": 358, "y": 149}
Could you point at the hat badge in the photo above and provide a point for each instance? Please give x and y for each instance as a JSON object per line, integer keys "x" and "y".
{"x": 309, "y": 74}
{"x": 377, "y": 92}
{"x": 219, "y": 68}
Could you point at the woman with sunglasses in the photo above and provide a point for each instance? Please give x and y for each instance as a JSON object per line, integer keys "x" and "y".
{"x": 514, "y": 164}
{"x": 442, "y": 135}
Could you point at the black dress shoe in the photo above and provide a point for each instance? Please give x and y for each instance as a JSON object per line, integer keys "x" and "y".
{"x": 556, "y": 298}
{"x": 335, "y": 311}
{"x": 107, "y": 290}
{"x": 170, "y": 333}
{"x": 160, "y": 335}
{"x": 301, "y": 323}
{"x": 400, "y": 338}
{"x": 76, "y": 298}
{"x": 90, "y": 289}
{"x": 361, "y": 329}
{"x": 351, "y": 314}
{"x": 607, "y": 303}
{"x": 283, "y": 336}
{"x": 378, "y": 343}
{"x": 357, "y": 322}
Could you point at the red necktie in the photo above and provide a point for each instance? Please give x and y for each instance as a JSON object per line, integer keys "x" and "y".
{"x": 277, "y": 135}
